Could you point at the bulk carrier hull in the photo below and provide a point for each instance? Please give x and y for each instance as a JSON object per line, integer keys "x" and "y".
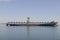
{"x": 32, "y": 24}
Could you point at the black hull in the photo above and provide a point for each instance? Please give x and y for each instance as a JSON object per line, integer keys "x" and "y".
{"x": 31, "y": 24}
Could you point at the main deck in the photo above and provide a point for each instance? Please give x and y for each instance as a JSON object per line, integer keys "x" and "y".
{"x": 31, "y": 23}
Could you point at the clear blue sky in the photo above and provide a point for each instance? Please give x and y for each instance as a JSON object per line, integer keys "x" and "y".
{"x": 37, "y": 10}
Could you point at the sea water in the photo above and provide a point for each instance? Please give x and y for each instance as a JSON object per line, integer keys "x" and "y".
{"x": 29, "y": 32}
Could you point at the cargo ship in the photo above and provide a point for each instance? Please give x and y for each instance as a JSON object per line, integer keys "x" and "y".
{"x": 28, "y": 23}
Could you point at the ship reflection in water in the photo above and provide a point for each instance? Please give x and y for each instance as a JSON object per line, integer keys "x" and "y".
{"x": 29, "y": 33}
{"x": 33, "y": 33}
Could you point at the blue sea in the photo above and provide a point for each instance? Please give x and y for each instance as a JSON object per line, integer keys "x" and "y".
{"x": 29, "y": 32}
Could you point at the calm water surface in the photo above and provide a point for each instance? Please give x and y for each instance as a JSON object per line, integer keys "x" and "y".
{"x": 29, "y": 32}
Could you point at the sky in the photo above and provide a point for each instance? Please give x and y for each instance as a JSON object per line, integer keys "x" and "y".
{"x": 37, "y": 10}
